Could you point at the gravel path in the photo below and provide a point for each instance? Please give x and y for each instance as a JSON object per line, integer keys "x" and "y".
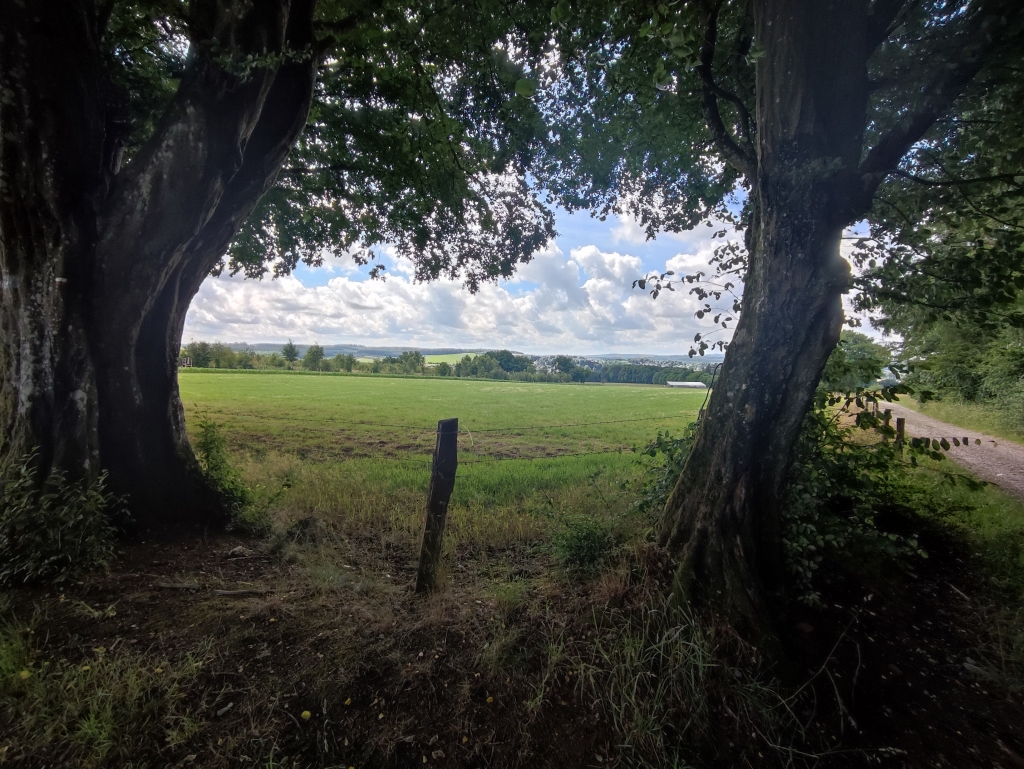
{"x": 997, "y": 461}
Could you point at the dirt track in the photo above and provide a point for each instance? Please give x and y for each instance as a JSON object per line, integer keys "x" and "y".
{"x": 996, "y": 460}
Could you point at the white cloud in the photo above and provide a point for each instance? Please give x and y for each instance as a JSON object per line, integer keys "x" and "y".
{"x": 628, "y": 230}
{"x": 580, "y": 303}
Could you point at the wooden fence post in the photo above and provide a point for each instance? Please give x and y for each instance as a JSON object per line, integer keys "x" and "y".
{"x": 901, "y": 431}
{"x": 442, "y": 482}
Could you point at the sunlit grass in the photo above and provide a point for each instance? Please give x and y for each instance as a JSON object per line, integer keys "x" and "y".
{"x": 983, "y": 417}
{"x": 356, "y": 451}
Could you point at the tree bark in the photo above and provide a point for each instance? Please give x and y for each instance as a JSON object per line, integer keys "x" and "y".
{"x": 723, "y": 517}
{"x": 93, "y": 308}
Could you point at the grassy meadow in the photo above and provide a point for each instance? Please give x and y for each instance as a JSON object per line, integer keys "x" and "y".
{"x": 548, "y": 643}
{"x": 352, "y": 447}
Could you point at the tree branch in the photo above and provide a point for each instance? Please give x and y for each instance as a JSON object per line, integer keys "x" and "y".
{"x": 883, "y": 18}
{"x": 330, "y": 33}
{"x": 741, "y": 158}
{"x": 954, "y": 182}
{"x": 281, "y": 121}
{"x": 180, "y": 181}
{"x": 103, "y": 12}
{"x": 983, "y": 35}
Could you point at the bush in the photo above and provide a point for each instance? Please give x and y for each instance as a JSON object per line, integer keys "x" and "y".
{"x": 54, "y": 532}
{"x": 671, "y": 453}
{"x": 838, "y": 487}
{"x": 584, "y": 544}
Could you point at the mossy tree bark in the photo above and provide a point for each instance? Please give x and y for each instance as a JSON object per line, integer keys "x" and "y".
{"x": 99, "y": 262}
{"x": 810, "y": 176}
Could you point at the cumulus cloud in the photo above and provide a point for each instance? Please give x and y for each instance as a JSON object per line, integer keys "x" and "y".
{"x": 579, "y": 302}
{"x": 628, "y": 230}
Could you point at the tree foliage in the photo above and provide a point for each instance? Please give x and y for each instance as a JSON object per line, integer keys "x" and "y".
{"x": 946, "y": 240}
{"x": 654, "y": 114}
{"x": 417, "y": 137}
{"x": 314, "y": 357}
{"x": 290, "y": 352}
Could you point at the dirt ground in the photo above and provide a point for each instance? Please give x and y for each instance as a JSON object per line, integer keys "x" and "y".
{"x": 897, "y": 669}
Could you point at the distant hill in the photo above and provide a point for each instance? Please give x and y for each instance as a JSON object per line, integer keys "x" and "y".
{"x": 360, "y": 351}
{"x": 363, "y": 351}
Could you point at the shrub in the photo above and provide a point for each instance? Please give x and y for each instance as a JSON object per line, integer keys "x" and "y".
{"x": 52, "y": 532}
{"x": 837, "y": 489}
{"x": 583, "y": 544}
{"x": 671, "y": 454}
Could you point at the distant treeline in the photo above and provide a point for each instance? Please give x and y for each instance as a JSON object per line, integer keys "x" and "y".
{"x": 637, "y": 374}
{"x": 496, "y": 364}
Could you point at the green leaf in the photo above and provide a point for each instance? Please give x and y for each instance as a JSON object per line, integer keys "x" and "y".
{"x": 526, "y": 88}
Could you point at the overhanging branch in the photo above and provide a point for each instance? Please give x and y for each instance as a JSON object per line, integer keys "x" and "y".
{"x": 740, "y": 157}
{"x": 954, "y": 182}
{"x": 984, "y": 35}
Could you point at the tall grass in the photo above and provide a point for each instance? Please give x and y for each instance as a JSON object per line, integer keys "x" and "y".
{"x": 991, "y": 523}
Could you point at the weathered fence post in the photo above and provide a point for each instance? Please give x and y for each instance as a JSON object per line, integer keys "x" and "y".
{"x": 442, "y": 482}
{"x": 901, "y": 431}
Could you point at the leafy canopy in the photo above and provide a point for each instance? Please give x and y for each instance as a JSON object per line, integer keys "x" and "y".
{"x": 654, "y": 114}
{"x": 417, "y": 137}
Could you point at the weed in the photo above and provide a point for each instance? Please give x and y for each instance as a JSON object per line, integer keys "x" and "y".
{"x": 583, "y": 544}
{"x": 666, "y": 679}
{"x": 250, "y": 513}
{"x": 55, "y": 531}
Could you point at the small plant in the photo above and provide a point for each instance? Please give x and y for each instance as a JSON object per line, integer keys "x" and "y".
{"x": 838, "y": 487}
{"x": 659, "y": 483}
{"x": 53, "y": 532}
{"x": 211, "y": 450}
{"x": 583, "y": 545}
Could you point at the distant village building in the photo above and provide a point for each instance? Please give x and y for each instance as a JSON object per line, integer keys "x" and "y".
{"x": 692, "y": 385}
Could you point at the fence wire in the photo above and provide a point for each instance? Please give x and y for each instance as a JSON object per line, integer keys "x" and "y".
{"x": 463, "y": 428}
{"x": 327, "y": 424}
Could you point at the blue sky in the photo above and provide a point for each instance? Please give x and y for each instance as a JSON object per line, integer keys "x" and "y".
{"x": 574, "y": 297}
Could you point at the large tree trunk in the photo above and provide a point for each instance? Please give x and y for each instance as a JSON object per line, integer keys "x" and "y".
{"x": 99, "y": 265}
{"x": 723, "y": 517}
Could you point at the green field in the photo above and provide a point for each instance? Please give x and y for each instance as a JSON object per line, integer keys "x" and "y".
{"x": 358, "y": 448}
{"x": 452, "y": 357}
